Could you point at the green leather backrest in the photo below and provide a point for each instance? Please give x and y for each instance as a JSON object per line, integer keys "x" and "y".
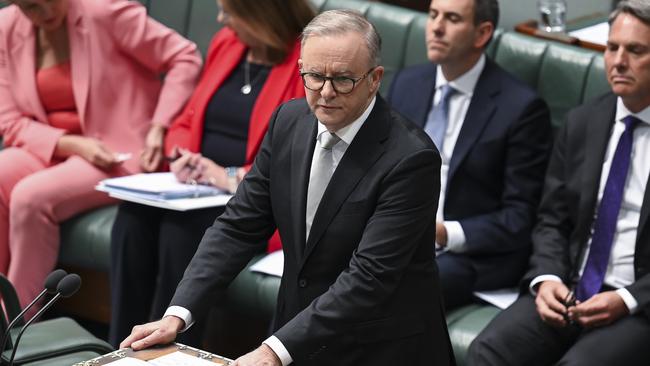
{"x": 202, "y": 23}
{"x": 521, "y": 56}
{"x": 562, "y": 77}
{"x": 173, "y": 13}
{"x": 565, "y": 76}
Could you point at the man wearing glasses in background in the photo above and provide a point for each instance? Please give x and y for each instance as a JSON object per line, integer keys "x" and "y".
{"x": 352, "y": 188}
{"x": 493, "y": 134}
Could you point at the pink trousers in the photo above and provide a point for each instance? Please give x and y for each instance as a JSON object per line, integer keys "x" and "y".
{"x": 34, "y": 198}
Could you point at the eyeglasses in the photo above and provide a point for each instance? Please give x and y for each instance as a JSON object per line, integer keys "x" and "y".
{"x": 341, "y": 84}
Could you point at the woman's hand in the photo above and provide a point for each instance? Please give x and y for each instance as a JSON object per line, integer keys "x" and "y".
{"x": 187, "y": 168}
{"x": 152, "y": 155}
{"x": 92, "y": 150}
{"x": 213, "y": 174}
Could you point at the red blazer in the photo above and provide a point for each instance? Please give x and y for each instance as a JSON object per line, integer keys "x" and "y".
{"x": 226, "y": 50}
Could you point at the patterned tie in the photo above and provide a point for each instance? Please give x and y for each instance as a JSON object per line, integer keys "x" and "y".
{"x": 605, "y": 225}
{"x": 438, "y": 118}
{"x": 321, "y": 173}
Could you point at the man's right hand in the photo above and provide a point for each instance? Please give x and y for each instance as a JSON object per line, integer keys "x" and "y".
{"x": 550, "y": 302}
{"x": 162, "y": 331}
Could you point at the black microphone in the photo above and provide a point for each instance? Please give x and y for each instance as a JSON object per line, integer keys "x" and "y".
{"x": 51, "y": 283}
{"x": 66, "y": 288}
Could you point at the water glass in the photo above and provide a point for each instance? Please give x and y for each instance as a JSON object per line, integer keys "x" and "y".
{"x": 553, "y": 15}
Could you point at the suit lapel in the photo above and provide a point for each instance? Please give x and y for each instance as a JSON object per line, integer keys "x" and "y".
{"x": 302, "y": 150}
{"x": 598, "y": 134}
{"x": 479, "y": 113}
{"x": 365, "y": 149}
{"x": 645, "y": 212}
{"x": 23, "y": 51}
{"x": 80, "y": 55}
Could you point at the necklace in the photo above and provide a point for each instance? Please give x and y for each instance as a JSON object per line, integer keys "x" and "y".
{"x": 248, "y": 83}
{"x": 246, "y": 89}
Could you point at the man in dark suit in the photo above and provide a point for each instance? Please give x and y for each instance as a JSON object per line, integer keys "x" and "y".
{"x": 493, "y": 136}
{"x": 360, "y": 283}
{"x": 592, "y": 236}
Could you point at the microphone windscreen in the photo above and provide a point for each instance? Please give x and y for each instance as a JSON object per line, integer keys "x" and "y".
{"x": 69, "y": 285}
{"x": 53, "y": 279}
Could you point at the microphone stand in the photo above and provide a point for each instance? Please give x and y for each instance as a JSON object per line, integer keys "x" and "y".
{"x": 29, "y": 322}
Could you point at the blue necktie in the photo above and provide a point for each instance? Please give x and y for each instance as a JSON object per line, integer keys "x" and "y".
{"x": 438, "y": 118}
{"x": 607, "y": 217}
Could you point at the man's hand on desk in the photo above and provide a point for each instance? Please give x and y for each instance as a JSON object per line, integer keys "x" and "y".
{"x": 162, "y": 331}
{"x": 262, "y": 356}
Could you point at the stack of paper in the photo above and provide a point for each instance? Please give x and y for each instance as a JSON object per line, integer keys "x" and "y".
{"x": 163, "y": 190}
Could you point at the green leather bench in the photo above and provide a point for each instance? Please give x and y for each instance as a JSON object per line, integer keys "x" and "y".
{"x": 564, "y": 75}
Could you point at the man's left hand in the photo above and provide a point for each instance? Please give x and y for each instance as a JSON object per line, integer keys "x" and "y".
{"x": 441, "y": 234}
{"x": 262, "y": 356}
{"x": 601, "y": 309}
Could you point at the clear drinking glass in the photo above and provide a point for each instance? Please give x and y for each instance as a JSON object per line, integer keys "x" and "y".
{"x": 552, "y": 15}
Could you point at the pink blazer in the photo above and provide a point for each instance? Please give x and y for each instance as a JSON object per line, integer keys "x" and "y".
{"x": 117, "y": 56}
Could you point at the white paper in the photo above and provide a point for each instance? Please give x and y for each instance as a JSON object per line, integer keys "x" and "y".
{"x": 272, "y": 264}
{"x": 158, "y": 186}
{"x": 501, "y": 298}
{"x": 128, "y": 361}
{"x": 179, "y": 204}
{"x": 180, "y": 359}
{"x": 597, "y": 33}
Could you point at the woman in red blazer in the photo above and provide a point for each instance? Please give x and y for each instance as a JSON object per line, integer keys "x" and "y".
{"x": 80, "y": 90}
{"x": 251, "y": 68}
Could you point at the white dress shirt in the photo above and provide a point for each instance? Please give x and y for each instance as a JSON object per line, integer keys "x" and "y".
{"x": 346, "y": 134}
{"x": 458, "y": 106}
{"x": 620, "y": 268}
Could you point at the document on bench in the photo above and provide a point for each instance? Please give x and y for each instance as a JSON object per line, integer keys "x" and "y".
{"x": 501, "y": 298}
{"x": 272, "y": 264}
{"x": 164, "y": 191}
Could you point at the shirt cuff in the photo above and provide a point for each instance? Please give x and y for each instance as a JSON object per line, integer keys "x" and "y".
{"x": 182, "y": 313}
{"x": 279, "y": 349}
{"x": 628, "y": 299}
{"x": 539, "y": 279}
{"x": 455, "y": 237}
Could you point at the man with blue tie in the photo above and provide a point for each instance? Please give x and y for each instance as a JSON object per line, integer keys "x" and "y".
{"x": 494, "y": 136}
{"x": 592, "y": 236}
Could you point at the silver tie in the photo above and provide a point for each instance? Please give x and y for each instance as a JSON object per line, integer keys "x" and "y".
{"x": 321, "y": 173}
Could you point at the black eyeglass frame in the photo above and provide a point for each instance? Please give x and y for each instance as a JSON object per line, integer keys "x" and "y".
{"x": 332, "y": 78}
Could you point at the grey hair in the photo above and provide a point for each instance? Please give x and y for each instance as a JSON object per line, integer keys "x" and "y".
{"x": 342, "y": 21}
{"x": 638, "y": 8}
{"x": 486, "y": 11}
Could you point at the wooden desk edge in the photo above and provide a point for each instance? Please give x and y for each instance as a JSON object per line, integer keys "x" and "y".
{"x": 530, "y": 28}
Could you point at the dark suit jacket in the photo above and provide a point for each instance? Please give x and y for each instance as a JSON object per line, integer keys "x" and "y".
{"x": 568, "y": 206}
{"x": 363, "y": 290}
{"x": 497, "y": 167}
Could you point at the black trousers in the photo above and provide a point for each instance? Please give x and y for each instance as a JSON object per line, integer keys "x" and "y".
{"x": 518, "y": 336}
{"x": 461, "y": 275}
{"x": 150, "y": 249}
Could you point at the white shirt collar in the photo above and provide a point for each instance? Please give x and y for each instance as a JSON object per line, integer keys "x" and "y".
{"x": 622, "y": 112}
{"x": 465, "y": 83}
{"x": 348, "y": 132}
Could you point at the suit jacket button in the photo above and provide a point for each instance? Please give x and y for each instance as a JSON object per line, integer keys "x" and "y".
{"x": 302, "y": 283}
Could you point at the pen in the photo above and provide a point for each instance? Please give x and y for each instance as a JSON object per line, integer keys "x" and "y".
{"x": 569, "y": 300}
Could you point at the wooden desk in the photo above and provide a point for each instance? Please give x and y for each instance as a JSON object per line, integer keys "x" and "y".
{"x": 153, "y": 353}
{"x": 530, "y": 28}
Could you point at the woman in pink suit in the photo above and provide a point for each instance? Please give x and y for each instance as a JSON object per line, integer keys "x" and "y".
{"x": 81, "y": 100}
